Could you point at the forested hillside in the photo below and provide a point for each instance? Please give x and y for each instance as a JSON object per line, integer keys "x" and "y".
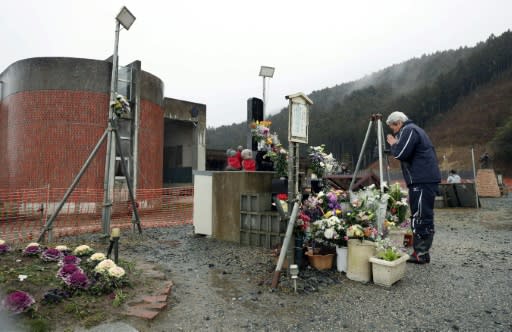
{"x": 434, "y": 90}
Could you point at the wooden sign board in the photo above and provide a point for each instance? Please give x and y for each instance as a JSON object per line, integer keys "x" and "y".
{"x": 298, "y": 117}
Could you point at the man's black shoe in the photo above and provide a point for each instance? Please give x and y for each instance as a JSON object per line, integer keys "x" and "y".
{"x": 419, "y": 259}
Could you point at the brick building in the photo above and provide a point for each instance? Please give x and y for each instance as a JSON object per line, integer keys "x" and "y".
{"x": 53, "y": 111}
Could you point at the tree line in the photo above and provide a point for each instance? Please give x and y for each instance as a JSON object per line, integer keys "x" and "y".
{"x": 423, "y": 88}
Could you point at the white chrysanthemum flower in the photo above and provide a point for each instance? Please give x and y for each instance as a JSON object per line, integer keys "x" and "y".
{"x": 98, "y": 256}
{"x": 329, "y": 233}
{"x": 104, "y": 265}
{"x": 116, "y": 271}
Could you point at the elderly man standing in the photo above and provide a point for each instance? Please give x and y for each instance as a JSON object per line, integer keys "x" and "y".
{"x": 412, "y": 146}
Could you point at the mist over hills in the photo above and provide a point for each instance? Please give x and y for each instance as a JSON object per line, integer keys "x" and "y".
{"x": 462, "y": 97}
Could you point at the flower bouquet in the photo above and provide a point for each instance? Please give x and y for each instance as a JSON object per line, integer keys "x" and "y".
{"x": 397, "y": 204}
{"x": 279, "y": 157}
{"x": 321, "y": 161}
{"x": 260, "y": 131}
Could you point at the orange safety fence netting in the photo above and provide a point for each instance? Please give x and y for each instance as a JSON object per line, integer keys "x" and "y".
{"x": 24, "y": 213}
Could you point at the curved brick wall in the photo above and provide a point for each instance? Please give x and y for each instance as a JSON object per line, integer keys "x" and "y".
{"x": 49, "y": 135}
{"x": 151, "y": 146}
{"x": 47, "y": 131}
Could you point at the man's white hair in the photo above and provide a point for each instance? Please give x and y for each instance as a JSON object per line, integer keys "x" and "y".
{"x": 395, "y": 117}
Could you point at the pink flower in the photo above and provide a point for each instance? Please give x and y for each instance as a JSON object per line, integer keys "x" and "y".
{"x": 70, "y": 259}
{"x": 4, "y": 248}
{"x": 18, "y": 302}
{"x": 77, "y": 279}
{"x": 67, "y": 270}
{"x": 31, "y": 250}
{"x": 51, "y": 255}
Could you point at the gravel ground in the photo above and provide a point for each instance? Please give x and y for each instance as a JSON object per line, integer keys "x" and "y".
{"x": 221, "y": 286}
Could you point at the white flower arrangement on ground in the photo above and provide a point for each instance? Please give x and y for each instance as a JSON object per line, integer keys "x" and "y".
{"x": 32, "y": 249}
{"x": 104, "y": 266}
{"x": 62, "y": 248}
{"x": 83, "y": 250}
{"x": 4, "y": 247}
{"x": 329, "y": 231}
{"x": 116, "y": 272}
{"x": 98, "y": 257}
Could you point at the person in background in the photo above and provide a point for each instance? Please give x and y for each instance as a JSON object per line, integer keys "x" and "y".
{"x": 453, "y": 177}
{"x": 412, "y": 146}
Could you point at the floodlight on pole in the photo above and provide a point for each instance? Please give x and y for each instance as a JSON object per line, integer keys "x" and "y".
{"x": 126, "y": 19}
{"x": 265, "y": 72}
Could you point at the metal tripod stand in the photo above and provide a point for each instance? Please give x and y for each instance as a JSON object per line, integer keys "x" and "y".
{"x": 377, "y": 120}
{"x": 112, "y": 128}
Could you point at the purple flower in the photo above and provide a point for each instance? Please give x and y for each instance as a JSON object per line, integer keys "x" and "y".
{"x": 31, "y": 250}
{"x": 77, "y": 279}
{"x": 51, "y": 255}
{"x": 70, "y": 259}
{"x": 18, "y": 302}
{"x": 4, "y": 248}
{"x": 67, "y": 270}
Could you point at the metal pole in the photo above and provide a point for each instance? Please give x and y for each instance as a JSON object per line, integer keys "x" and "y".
{"x": 72, "y": 187}
{"x": 108, "y": 184}
{"x": 264, "y": 98}
{"x": 474, "y": 176}
{"x": 128, "y": 180}
{"x": 286, "y": 242}
{"x": 381, "y": 164}
{"x": 360, "y": 156}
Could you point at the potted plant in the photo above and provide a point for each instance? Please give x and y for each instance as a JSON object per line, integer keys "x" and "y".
{"x": 388, "y": 265}
{"x": 362, "y": 233}
{"x": 325, "y": 233}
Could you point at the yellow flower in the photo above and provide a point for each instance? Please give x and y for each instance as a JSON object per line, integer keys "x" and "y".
{"x": 328, "y": 214}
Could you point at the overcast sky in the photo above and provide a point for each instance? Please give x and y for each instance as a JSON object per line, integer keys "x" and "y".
{"x": 210, "y": 52}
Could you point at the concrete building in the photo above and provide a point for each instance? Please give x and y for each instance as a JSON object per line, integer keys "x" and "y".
{"x": 53, "y": 111}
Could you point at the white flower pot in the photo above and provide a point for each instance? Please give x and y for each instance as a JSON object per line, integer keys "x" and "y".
{"x": 341, "y": 258}
{"x": 386, "y": 273}
{"x": 359, "y": 267}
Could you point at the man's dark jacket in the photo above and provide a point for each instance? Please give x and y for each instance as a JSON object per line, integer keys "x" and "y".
{"x": 416, "y": 154}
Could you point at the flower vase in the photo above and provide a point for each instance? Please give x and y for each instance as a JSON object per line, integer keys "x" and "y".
{"x": 320, "y": 262}
{"x": 261, "y": 145}
{"x": 386, "y": 273}
{"x": 316, "y": 185}
{"x": 341, "y": 258}
{"x": 358, "y": 266}
{"x": 408, "y": 239}
{"x": 299, "y": 251}
{"x": 396, "y": 237}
